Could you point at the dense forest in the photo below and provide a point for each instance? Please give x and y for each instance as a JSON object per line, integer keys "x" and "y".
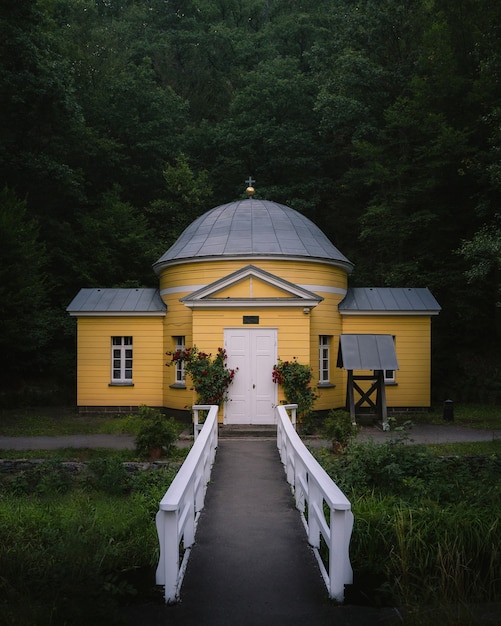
{"x": 123, "y": 120}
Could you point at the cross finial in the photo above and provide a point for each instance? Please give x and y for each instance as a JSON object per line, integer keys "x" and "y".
{"x": 250, "y": 189}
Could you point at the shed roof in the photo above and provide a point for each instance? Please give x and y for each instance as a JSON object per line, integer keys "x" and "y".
{"x": 381, "y": 300}
{"x": 94, "y": 302}
{"x": 367, "y": 352}
{"x": 252, "y": 228}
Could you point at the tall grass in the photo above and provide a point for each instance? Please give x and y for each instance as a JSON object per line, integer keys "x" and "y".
{"x": 72, "y": 554}
{"x": 427, "y": 530}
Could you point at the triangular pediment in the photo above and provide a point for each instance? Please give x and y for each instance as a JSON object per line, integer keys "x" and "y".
{"x": 251, "y": 286}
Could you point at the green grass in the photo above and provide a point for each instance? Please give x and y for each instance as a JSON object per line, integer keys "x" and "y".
{"x": 77, "y": 455}
{"x": 84, "y": 455}
{"x": 427, "y": 535}
{"x": 63, "y": 421}
{"x": 74, "y": 550}
{"x": 471, "y": 415}
{"x": 466, "y": 448}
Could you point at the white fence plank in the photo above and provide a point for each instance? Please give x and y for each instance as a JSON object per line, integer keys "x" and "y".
{"x": 314, "y": 491}
{"x": 180, "y": 507}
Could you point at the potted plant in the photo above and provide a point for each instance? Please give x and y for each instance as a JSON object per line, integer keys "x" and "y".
{"x": 339, "y": 429}
{"x": 156, "y": 435}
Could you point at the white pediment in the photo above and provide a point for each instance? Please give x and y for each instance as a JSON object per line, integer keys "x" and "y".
{"x": 251, "y": 286}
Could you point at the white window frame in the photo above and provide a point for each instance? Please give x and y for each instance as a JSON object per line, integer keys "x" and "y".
{"x": 122, "y": 356}
{"x": 180, "y": 373}
{"x": 324, "y": 359}
{"x": 390, "y": 376}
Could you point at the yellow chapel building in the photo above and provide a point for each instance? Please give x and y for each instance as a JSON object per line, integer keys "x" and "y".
{"x": 262, "y": 281}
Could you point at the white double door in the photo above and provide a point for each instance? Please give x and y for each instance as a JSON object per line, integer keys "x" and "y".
{"x": 252, "y": 394}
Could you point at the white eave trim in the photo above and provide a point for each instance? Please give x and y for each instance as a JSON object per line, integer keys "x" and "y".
{"x": 252, "y": 258}
{"x": 233, "y": 303}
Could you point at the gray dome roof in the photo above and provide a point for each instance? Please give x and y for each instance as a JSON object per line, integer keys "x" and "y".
{"x": 252, "y": 228}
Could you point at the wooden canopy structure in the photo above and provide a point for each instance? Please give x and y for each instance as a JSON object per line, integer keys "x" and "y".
{"x": 360, "y": 353}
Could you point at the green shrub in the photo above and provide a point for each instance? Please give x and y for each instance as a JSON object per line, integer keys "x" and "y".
{"x": 155, "y": 433}
{"x": 426, "y": 529}
{"x": 338, "y": 427}
{"x": 46, "y": 478}
{"x": 296, "y": 379}
{"x": 109, "y": 476}
{"x": 211, "y": 378}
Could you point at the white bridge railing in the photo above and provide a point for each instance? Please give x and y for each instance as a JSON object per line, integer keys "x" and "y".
{"x": 182, "y": 503}
{"x": 316, "y": 494}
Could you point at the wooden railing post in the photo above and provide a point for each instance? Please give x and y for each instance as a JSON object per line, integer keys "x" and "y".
{"x": 168, "y": 570}
{"x": 293, "y": 413}
{"x": 197, "y": 427}
{"x": 340, "y": 571}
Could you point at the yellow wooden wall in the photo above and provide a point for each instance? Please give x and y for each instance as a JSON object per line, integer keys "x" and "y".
{"x": 94, "y": 361}
{"x": 297, "y": 332}
{"x": 413, "y": 349}
{"x": 292, "y": 325}
{"x": 298, "y": 336}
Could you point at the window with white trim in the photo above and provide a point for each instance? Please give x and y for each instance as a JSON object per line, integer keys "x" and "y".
{"x": 324, "y": 358}
{"x": 180, "y": 372}
{"x": 390, "y": 375}
{"x": 121, "y": 360}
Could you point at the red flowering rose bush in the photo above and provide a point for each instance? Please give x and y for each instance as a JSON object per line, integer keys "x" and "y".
{"x": 295, "y": 379}
{"x": 210, "y": 376}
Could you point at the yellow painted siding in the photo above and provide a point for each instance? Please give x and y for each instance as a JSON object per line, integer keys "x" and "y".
{"x": 207, "y": 272}
{"x": 298, "y": 335}
{"x": 94, "y": 361}
{"x": 252, "y": 287}
{"x": 292, "y": 325}
{"x": 325, "y": 320}
{"x": 413, "y": 348}
{"x": 297, "y": 332}
{"x": 175, "y": 398}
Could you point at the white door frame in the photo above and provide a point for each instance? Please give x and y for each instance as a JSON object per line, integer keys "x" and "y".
{"x": 252, "y": 394}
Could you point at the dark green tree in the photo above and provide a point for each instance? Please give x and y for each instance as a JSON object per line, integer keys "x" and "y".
{"x": 25, "y": 323}
{"x": 187, "y": 195}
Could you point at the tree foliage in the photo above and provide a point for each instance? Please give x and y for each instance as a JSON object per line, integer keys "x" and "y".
{"x": 379, "y": 120}
{"x": 24, "y": 314}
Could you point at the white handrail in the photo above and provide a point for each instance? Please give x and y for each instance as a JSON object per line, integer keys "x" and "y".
{"x": 180, "y": 508}
{"x": 313, "y": 489}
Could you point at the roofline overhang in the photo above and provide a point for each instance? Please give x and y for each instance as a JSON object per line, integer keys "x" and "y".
{"x": 394, "y": 312}
{"x": 117, "y": 313}
{"x": 347, "y": 266}
{"x": 249, "y": 303}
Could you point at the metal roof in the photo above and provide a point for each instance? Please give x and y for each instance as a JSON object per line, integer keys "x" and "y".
{"x": 367, "y": 352}
{"x": 416, "y": 301}
{"x": 250, "y": 228}
{"x": 141, "y": 301}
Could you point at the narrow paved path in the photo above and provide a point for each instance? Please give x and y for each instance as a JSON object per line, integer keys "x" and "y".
{"x": 419, "y": 433}
{"x": 251, "y": 564}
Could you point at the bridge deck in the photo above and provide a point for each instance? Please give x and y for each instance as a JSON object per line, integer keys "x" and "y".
{"x": 251, "y": 564}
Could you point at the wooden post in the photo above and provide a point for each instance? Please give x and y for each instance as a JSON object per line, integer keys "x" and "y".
{"x": 350, "y": 398}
